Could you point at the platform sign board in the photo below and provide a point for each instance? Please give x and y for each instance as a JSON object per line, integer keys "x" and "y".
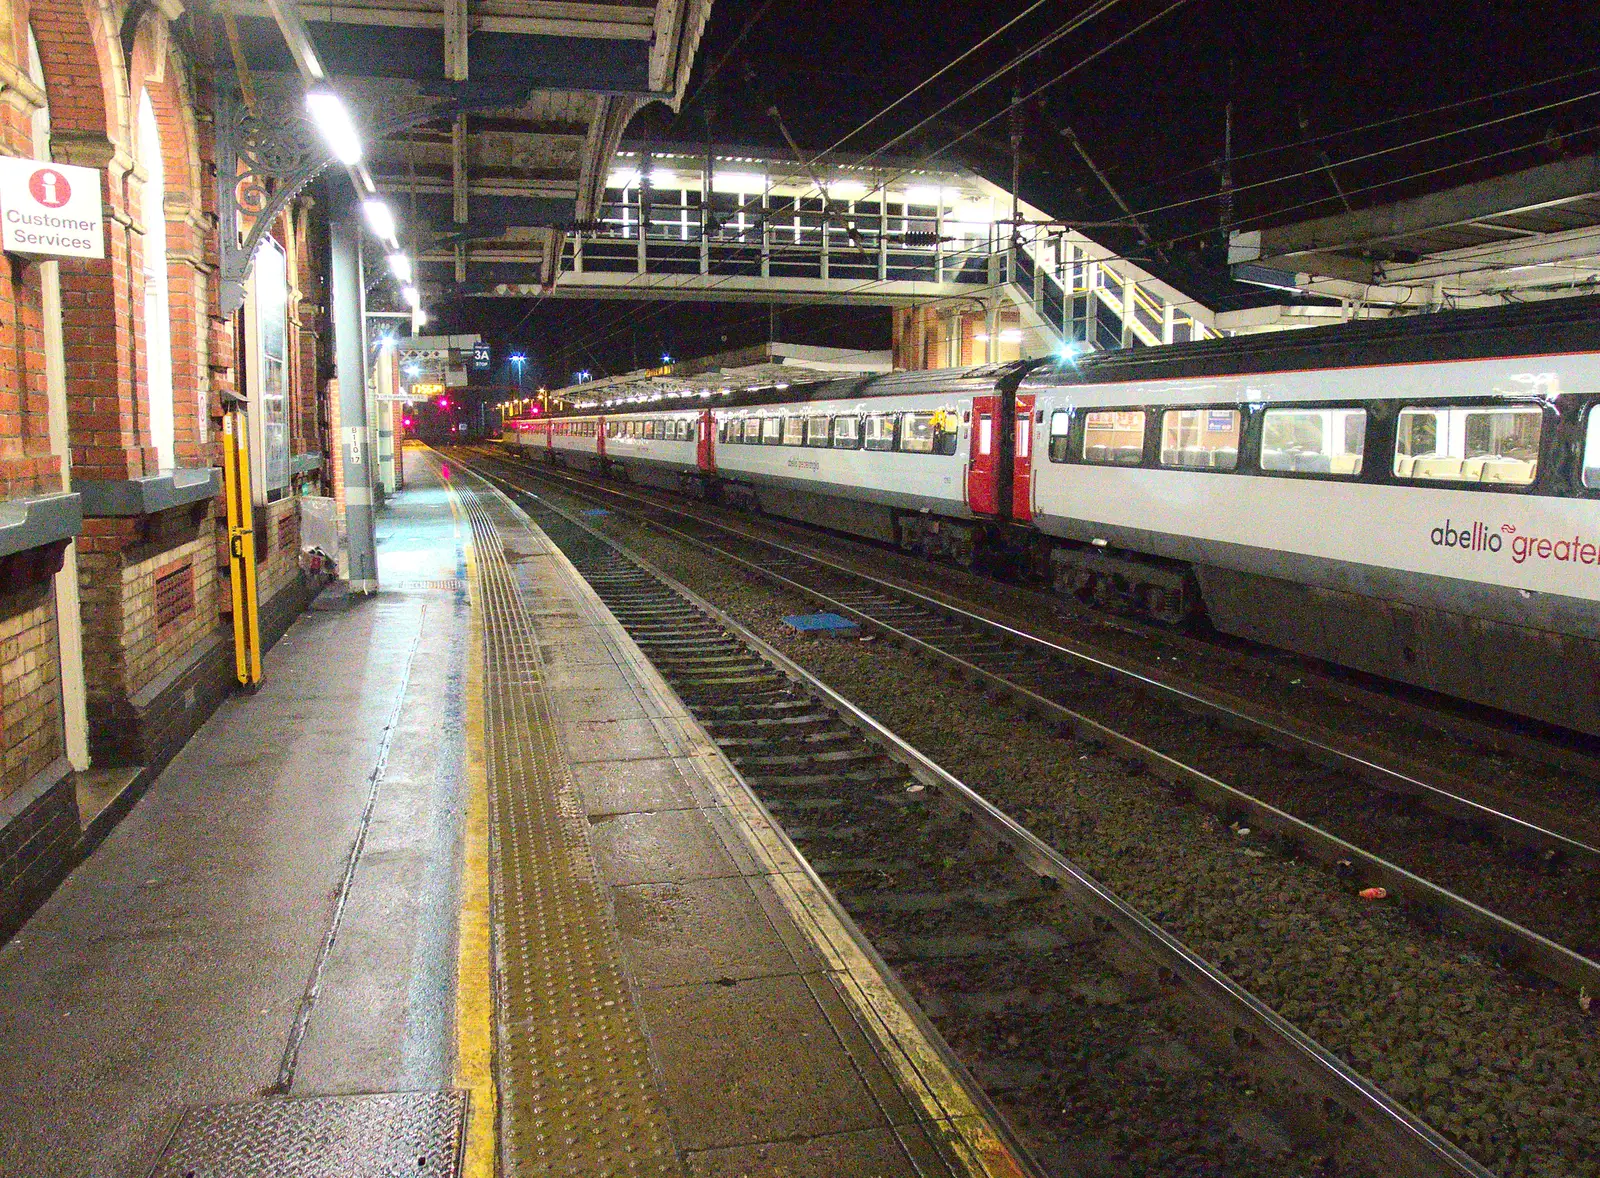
{"x": 480, "y": 356}
{"x": 52, "y": 210}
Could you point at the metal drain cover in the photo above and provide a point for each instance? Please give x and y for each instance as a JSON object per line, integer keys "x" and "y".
{"x": 417, "y": 1134}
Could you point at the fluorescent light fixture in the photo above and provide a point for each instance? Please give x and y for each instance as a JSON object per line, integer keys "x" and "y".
{"x": 380, "y": 219}
{"x": 982, "y": 337}
{"x": 400, "y": 267}
{"x": 623, "y": 178}
{"x": 925, "y": 195}
{"x": 412, "y": 297}
{"x": 1011, "y": 335}
{"x": 847, "y": 189}
{"x": 332, "y": 118}
{"x": 662, "y": 178}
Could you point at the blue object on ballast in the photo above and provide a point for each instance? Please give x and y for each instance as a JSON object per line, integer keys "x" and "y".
{"x": 821, "y": 625}
{"x": 594, "y": 511}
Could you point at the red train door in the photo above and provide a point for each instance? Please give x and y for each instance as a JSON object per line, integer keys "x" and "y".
{"x": 600, "y": 437}
{"x": 705, "y": 451}
{"x": 983, "y": 495}
{"x": 1022, "y": 459}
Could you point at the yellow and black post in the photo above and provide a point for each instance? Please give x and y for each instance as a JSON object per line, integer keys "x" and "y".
{"x": 241, "y": 548}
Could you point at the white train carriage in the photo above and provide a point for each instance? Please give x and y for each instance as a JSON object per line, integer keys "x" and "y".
{"x": 576, "y": 442}
{"x": 891, "y": 458}
{"x": 1419, "y": 499}
{"x": 668, "y": 447}
{"x": 1391, "y": 500}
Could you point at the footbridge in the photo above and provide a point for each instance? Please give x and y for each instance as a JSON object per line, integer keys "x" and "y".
{"x": 742, "y": 226}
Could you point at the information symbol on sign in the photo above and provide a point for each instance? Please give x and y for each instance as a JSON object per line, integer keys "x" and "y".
{"x": 50, "y": 188}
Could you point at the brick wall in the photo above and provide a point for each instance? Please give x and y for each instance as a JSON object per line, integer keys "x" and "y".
{"x": 126, "y": 646}
{"x": 280, "y": 542}
{"x": 30, "y": 715}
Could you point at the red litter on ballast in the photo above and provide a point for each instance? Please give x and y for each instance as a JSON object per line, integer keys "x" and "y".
{"x": 1373, "y": 893}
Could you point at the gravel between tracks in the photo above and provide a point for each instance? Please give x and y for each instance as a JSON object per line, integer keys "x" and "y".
{"x": 1507, "y": 1067}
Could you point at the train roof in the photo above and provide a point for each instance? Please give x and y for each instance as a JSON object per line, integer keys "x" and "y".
{"x": 1531, "y": 329}
{"x": 980, "y": 378}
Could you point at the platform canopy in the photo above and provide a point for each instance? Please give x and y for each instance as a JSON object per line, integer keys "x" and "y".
{"x": 486, "y": 121}
{"x": 1527, "y": 235}
{"x": 708, "y": 378}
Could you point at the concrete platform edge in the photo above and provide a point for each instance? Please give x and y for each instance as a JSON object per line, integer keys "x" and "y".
{"x": 879, "y": 1006}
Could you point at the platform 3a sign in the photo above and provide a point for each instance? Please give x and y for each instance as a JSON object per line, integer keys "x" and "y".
{"x": 51, "y": 209}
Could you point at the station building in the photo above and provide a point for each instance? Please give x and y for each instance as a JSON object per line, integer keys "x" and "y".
{"x": 115, "y": 376}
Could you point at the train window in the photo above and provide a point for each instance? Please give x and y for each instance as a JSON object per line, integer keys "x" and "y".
{"x": 1314, "y": 441}
{"x": 1200, "y": 439}
{"x": 817, "y": 431}
{"x": 1060, "y": 427}
{"x": 794, "y": 431}
{"x": 1495, "y": 444}
{"x": 772, "y": 431}
{"x": 880, "y": 431}
{"x": 1591, "y": 451}
{"x": 928, "y": 433}
{"x": 847, "y": 433}
{"x": 1111, "y": 437}
{"x": 691, "y": 431}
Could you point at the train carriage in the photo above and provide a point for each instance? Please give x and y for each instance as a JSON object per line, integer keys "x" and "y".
{"x": 1416, "y": 498}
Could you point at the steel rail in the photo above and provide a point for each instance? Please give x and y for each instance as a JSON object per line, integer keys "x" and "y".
{"x": 1410, "y": 1140}
{"x": 1513, "y": 943}
{"x": 1511, "y": 826}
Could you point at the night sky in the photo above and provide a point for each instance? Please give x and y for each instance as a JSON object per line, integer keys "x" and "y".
{"x": 1307, "y": 83}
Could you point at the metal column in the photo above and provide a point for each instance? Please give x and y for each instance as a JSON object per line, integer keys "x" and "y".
{"x": 350, "y": 346}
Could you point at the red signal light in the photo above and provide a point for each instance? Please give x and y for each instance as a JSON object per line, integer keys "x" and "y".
{"x": 444, "y": 402}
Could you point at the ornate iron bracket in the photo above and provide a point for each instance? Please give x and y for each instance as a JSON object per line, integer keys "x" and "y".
{"x": 266, "y": 159}
{"x": 280, "y": 153}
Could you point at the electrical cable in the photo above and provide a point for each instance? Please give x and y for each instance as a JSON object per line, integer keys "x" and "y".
{"x": 933, "y": 77}
{"x": 1076, "y": 22}
{"x": 1375, "y": 154}
{"x": 711, "y": 75}
{"x": 1380, "y": 123}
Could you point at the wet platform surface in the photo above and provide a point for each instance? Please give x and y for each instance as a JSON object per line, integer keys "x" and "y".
{"x": 172, "y": 967}
{"x": 302, "y": 907}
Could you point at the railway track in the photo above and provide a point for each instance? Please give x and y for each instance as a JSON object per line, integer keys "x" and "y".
{"x": 1099, "y": 1036}
{"x": 1206, "y": 760}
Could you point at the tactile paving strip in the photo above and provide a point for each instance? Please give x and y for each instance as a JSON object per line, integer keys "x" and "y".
{"x": 412, "y": 1133}
{"x": 577, "y": 1093}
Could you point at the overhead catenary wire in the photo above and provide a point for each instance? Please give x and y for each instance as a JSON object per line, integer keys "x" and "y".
{"x": 1378, "y": 124}
{"x": 1076, "y": 22}
{"x": 930, "y": 79}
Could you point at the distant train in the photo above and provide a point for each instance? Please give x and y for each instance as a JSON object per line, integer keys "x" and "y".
{"x": 1418, "y": 498}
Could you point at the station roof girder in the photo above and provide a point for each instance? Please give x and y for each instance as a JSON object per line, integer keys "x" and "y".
{"x": 1529, "y": 234}
{"x": 483, "y": 120}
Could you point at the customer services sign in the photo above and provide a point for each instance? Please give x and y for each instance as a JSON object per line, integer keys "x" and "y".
{"x": 50, "y": 209}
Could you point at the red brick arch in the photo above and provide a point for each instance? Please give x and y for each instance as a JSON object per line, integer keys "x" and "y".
{"x": 156, "y": 69}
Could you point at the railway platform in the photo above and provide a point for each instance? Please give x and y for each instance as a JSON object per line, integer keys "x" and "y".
{"x": 463, "y": 887}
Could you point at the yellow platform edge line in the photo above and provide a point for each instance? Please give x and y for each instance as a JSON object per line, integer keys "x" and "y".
{"x": 474, "y": 1069}
{"x": 917, "y": 1065}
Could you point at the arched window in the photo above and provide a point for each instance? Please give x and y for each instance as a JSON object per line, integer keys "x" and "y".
{"x": 40, "y": 117}
{"x": 157, "y": 311}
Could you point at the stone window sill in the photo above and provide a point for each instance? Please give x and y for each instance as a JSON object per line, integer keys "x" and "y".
{"x": 150, "y": 494}
{"x": 39, "y": 521}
